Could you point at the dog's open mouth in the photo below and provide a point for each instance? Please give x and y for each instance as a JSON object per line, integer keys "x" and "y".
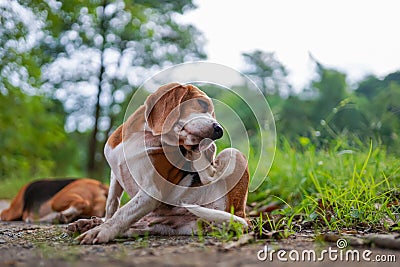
{"x": 190, "y": 140}
{"x": 195, "y": 141}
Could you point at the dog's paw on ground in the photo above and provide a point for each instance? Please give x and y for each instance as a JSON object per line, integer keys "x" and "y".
{"x": 83, "y": 225}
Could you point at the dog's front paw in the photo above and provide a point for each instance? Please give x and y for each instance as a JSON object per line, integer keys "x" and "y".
{"x": 100, "y": 234}
{"x": 83, "y": 225}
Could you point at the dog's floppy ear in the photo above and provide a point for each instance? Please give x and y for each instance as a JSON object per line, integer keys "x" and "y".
{"x": 162, "y": 107}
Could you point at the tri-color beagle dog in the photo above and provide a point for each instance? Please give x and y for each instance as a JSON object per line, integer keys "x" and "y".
{"x": 58, "y": 201}
{"x": 163, "y": 157}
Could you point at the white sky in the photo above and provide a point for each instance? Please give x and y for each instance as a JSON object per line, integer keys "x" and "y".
{"x": 355, "y": 36}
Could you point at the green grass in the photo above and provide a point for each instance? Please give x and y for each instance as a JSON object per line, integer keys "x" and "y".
{"x": 225, "y": 231}
{"x": 335, "y": 188}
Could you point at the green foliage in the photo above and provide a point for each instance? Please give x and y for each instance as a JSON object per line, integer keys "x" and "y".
{"x": 101, "y": 51}
{"x": 384, "y": 115}
{"x": 20, "y": 56}
{"x": 31, "y": 136}
{"x": 267, "y": 72}
{"x": 90, "y": 56}
{"x": 339, "y": 187}
{"x": 329, "y": 111}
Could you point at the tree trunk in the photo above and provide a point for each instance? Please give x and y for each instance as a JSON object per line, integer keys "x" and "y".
{"x": 92, "y": 166}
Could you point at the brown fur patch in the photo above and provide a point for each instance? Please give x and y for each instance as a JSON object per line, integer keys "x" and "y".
{"x": 237, "y": 197}
{"x": 14, "y": 212}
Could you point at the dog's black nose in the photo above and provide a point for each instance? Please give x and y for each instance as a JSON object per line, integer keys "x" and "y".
{"x": 218, "y": 132}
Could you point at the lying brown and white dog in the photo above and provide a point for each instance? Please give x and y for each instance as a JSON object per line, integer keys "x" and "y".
{"x": 57, "y": 201}
{"x": 163, "y": 157}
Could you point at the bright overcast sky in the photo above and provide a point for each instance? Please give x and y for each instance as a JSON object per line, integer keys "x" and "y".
{"x": 355, "y": 36}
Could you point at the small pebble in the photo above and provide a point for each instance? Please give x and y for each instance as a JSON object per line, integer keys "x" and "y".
{"x": 129, "y": 243}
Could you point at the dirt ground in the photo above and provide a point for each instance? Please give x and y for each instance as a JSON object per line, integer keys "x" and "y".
{"x": 23, "y": 244}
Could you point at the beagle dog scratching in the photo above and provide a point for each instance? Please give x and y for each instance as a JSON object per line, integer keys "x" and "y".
{"x": 57, "y": 201}
{"x": 163, "y": 157}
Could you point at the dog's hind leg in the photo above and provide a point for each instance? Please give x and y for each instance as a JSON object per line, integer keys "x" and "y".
{"x": 231, "y": 159}
{"x": 65, "y": 209}
{"x": 14, "y": 212}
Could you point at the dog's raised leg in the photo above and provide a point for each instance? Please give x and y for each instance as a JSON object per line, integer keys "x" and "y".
{"x": 230, "y": 166}
{"x": 140, "y": 205}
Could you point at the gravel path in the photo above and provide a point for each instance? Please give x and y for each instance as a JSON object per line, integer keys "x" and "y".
{"x": 23, "y": 244}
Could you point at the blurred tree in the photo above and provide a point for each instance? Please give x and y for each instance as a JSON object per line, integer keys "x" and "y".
{"x": 335, "y": 110}
{"x": 369, "y": 87}
{"x": 331, "y": 88}
{"x": 32, "y": 135}
{"x": 20, "y": 57}
{"x": 102, "y": 50}
{"x": 381, "y": 105}
{"x": 294, "y": 119}
{"x": 325, "y": 111}
{"x": 267, "y": 72}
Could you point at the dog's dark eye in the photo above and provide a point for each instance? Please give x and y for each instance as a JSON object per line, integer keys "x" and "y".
{"x": 203, "y": 104}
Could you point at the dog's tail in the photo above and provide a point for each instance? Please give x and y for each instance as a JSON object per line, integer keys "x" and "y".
{"x": 215, "y": 215}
